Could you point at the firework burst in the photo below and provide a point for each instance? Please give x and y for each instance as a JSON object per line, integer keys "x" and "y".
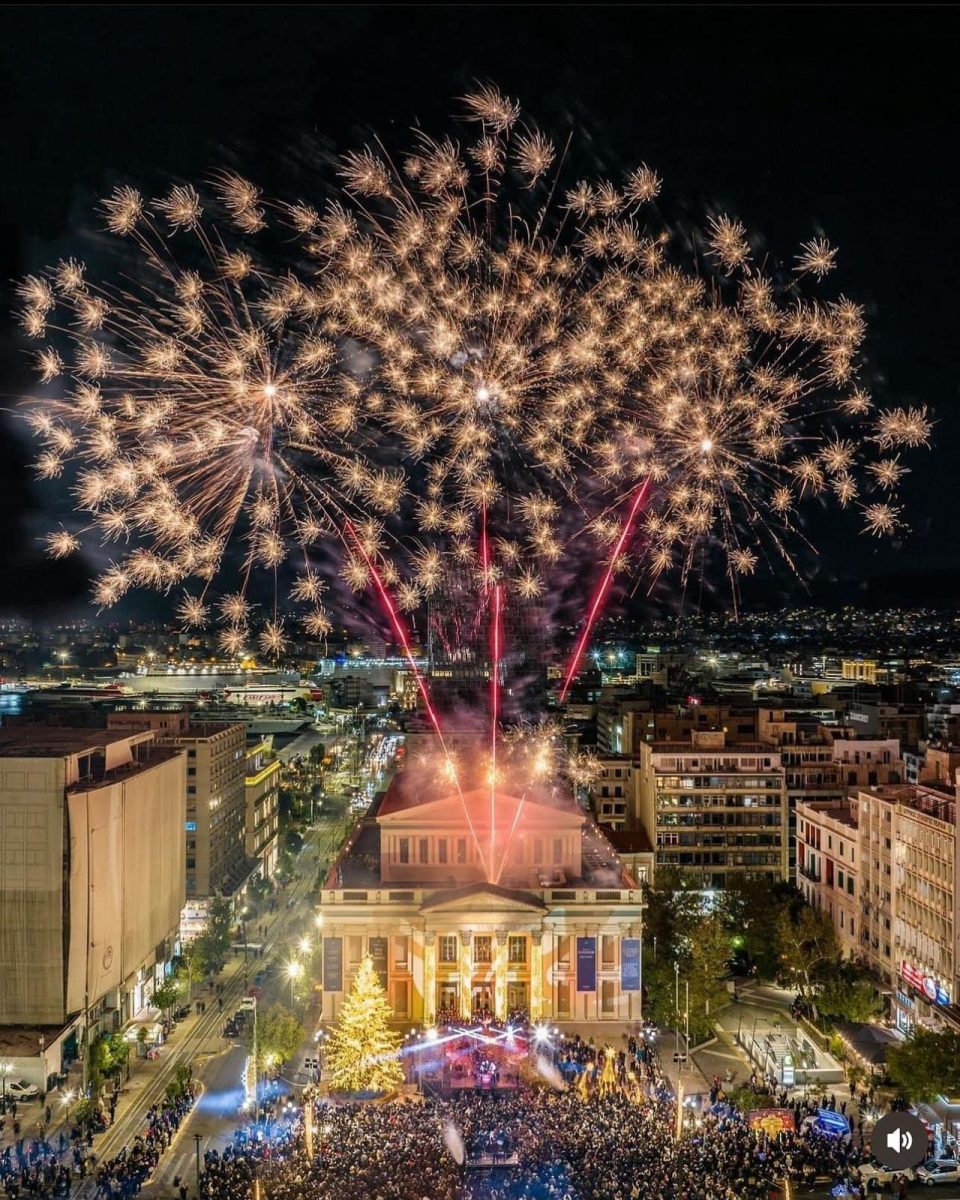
{"x": 545, "y": 372}
{"x": 202, "y": 416}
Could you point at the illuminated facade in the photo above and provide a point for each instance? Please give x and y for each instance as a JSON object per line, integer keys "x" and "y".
{"x": 884, "y": 867}
{"x": 713, "y": 810}
{"x": 262, "y": 822}
{"x": 554, "y": 933}
{"x": 908, "y": 870}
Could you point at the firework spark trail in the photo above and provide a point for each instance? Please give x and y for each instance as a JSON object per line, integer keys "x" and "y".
{"x": 401, "y": 634}
{"x": 639, "y": 497}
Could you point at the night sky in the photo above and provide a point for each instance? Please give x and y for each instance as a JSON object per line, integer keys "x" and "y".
{"x": 842, "y": 122}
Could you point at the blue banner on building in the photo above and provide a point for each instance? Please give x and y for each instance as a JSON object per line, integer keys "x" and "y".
{"x": 630, "y": 965}
{"x": 333, "y": 964}
{"x": 586, "y": 964}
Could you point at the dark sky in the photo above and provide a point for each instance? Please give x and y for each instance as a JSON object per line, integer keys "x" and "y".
{"x": 800, "y": 121}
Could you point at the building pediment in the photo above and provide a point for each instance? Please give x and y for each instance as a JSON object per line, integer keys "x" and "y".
{"x": 491, "y": 896}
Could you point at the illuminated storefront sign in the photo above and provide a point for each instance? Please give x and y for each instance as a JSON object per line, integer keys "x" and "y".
{"x": 927, "y": 985}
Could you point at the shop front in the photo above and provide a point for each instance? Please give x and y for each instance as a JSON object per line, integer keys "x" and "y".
{"x": 920, "y": 999}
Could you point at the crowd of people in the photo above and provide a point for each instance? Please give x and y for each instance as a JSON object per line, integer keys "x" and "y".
{"x": 40, "y": 1167}
{"x": 535, "y": 1143}
{"x": 123, "y": 1177}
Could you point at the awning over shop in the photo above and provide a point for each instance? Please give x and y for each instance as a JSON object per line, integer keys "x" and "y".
{"x": 153, "y": 1028}
{"x": 868, "y": 1042}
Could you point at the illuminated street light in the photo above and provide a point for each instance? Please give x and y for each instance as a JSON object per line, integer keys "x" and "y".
{"x": 294, "y": 971}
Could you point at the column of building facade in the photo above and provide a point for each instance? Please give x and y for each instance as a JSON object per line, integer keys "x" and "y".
{"x": 429, "y": 997}
{"x": 466, "y": 972}
{"x": 536, "y": 975}
{"x": 500, "y": 975}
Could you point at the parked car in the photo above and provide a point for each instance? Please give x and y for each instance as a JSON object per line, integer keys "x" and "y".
{"x": 249, "y": 1003}
{"x": 21, "y": 1090}
{"x": 231, "y": 1030}
{"x": 874, "y": 1175}
{"x": 181, "y": 1013}
{"x": 944, "y": 1170}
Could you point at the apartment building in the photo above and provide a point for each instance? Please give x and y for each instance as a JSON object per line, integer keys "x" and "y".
{"x": 826, "y": 855}
{"x": 91, "y": 885}
{"x": 215, "y": 842}
{"x": 613, "y": 791}
{"x": 867, "y": 761}
{"x": 714, "y": 810}
{"x": 907, "y": 847}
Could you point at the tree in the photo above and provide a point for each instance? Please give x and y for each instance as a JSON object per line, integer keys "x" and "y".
{"x": 220, "y": 922}
{"x": 363, "y": 1052}
{"x": 279, "y": 1035}
{"x": 659, "y": 990}
{"x": 806, "y": 946}
{"x": 216, "y": 938}
{"x": 927, "y": 1064}
{"x": 846, "y": 996}
{"x": 193, "y": 965}
{"x": 707, "y": 967}
{"x": 670, "y": 914}
{"x": 750, "y": 910}
{"x": 167, "y": 996}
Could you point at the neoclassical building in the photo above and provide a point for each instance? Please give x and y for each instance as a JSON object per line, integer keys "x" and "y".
{"x": 472, "y": 898}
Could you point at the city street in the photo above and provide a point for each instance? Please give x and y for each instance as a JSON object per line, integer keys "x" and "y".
{"x": 197, "y": 1042}
{"x": 220, "y": 1064}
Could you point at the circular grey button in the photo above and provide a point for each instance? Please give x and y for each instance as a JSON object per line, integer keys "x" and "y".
{"x": 899, "y": 1141}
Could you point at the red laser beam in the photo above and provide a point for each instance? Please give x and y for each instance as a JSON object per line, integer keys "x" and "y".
{"x": 494, "y": 716}
{"x": 401, "y": 635}
{"x": 638, "y": 498}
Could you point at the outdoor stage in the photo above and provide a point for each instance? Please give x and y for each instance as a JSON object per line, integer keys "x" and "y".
{"x": 471, "y": 1058}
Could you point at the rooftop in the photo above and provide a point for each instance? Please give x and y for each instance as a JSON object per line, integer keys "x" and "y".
{"x": 411, "y": 787}
{"x": 838, "y": 810}
{"x": 733, "y": 748}
{"x": 629, "y": 841}
{"x": 43, "y": 741}
{"x": 143, "y": 762}
{"x": 931, "y": 799}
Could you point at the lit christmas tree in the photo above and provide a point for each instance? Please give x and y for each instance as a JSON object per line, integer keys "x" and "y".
{"x": 363, "y": 1050}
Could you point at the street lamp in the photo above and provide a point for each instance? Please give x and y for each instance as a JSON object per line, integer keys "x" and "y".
{"x": 6, "y": 1068}
{"x": 294, "y": 971}
{"x": 305, "y": 946}
{"x": 198, "y": 1138}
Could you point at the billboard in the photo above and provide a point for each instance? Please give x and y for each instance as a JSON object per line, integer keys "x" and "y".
{"x": 928, "y": 986}
{"x": 772, "y": 1121}
{"x": 586, "y": 964}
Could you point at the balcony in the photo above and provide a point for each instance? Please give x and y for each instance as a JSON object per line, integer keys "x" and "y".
{"x": 812, "y": 873}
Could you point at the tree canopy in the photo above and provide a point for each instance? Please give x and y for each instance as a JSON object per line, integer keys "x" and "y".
{"x": 927, "y": 1064}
